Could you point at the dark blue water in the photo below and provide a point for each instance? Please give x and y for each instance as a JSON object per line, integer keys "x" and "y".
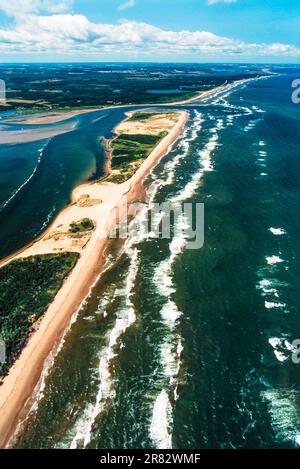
{"x": 192, "y": 348}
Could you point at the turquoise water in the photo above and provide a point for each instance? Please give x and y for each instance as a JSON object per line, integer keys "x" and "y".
{"x": 191, "y": 349}
{"x": 36, "y": 179}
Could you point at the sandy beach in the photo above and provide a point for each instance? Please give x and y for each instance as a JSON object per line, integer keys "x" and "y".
{"x": 17, "y": 389}
{"x": 52, "y": 117}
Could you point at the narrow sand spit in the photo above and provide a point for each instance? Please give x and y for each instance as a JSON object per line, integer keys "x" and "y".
{"x": 16, "y": 392}
{"x": 18, "y": 386}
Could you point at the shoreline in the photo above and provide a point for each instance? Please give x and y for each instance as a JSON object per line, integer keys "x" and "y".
{"x": 70, "y": 114}
{"x": 15, "y": 137}
{"x": 18, "y": 386}
{"x": 64, "y": 115}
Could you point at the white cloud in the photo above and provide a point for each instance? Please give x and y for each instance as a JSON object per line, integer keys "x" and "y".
{"x": 125, "y": 5}
{"x": 57, "y": 6}
{"x": 212, "y": 2}
{"x": 62, "y": 34}
{"x": 19, "y": 8}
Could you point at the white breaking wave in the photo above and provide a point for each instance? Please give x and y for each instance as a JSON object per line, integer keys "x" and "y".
{"x": 282, "y": 348}
{"x": 171, "y": 348}
{"x": 284, "y": 414}
{"x": 265, "y": 283}
{"x": 277, "y": 231}
{"x": 16, "y": 192}
{"x": 219, "y": 97}
{"x": 269, "y": 290}
{"x": 48, "y": 218}
{"x": 206, "y": 165}
{"x": 170, "y": 313}
{"x": 271, "y": 305}
{"x": 125, "y": 318}
{"x": 161, "y": 422}
{"x": 257, "y": 109}
{"x": 252, "y": 124}
{"x": 183, "y": 150}
{"x": 272, "y": 260}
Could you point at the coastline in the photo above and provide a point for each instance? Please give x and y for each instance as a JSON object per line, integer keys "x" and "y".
{"x": 60, "y": 116}
{"x": 18, "y": 386}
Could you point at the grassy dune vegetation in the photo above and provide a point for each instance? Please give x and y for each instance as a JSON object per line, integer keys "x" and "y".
{"x": 130, "y": 149}
{"x": 140, "y": 116}
{"x": 81, "y": 226}
{"x": 27, "y": 287}
{"x": 128, "y": 153}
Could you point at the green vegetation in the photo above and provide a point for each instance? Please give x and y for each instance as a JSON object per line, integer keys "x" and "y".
{"x": 128, "y": 148}
{"x": 142, "y": 116}
{"x": 53, "y": 87}
{"x": 27, "y": 287}
{"x": 85, "y": 224}
{"x": 128, "y": 153}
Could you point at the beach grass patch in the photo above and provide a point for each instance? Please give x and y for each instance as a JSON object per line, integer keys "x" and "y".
{"x": 128, "y": 153}
{"x": 85, "y": 224}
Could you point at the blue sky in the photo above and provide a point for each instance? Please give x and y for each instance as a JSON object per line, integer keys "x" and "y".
{"x": 250, "y": 20}
{"x": 150, "y": 30}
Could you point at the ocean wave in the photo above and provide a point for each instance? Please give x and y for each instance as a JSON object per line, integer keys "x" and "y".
{"x": 284, "y": 414}
{"x": 276, "y": 344}
{"x": 163, "y": 274}
{"x": 220, "y": 98}
{"x": 272, "y": 304}
{"x": 252, "y": 124}
{"x": 183, "y": 146}
{"x": 271, "y": 292}
{"x": 38, "y": 393}
{"x": 273, "y": 260}
{"x": 282, "y": 348}
{"x": 205, "y": 161}
{"x": 171, "y": 347}
{"x": 47, "y": 220}
{"x": 162, "y": 420}
{"x": 24, "y": 184}
{"x": 277, "y": 231}
{"x": 125, "y": 318}
{"x": 257, "y": 109}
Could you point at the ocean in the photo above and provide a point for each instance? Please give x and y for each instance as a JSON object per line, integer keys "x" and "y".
{"x": 181, "y": 348}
